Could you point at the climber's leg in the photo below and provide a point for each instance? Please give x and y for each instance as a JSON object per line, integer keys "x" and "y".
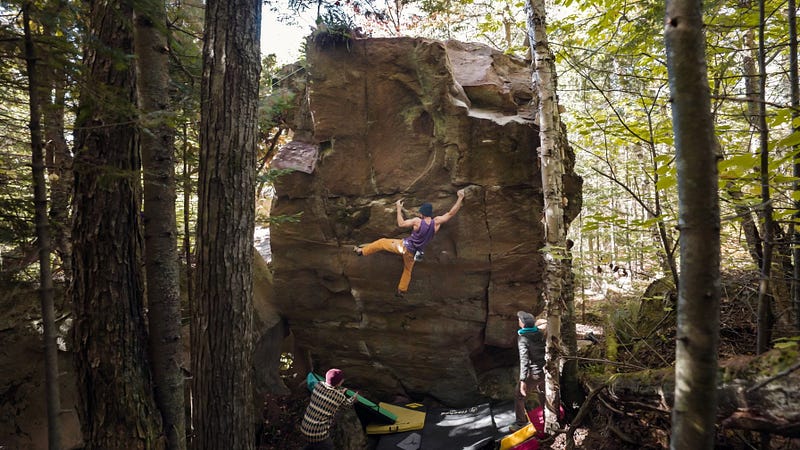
{"x": 405, "y": 278}
{"x": 384, "y": 244}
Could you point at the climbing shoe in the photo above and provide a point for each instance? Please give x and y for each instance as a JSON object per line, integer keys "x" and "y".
{"x": 358, "y": 251}
{"x": 400, "y": 294}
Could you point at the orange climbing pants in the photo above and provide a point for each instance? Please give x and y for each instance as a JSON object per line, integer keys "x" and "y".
{"x": 393, "y": 246}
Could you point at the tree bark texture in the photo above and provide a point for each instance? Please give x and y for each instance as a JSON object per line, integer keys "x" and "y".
{"x": 157, "y": 140}
{"x": 571, "y": 391}
{"x": 551, "y": 158}
{"x": 222, "y": 342}
{"x": 794, "y": 85}
{"x": 53, "y": 398}
{"x": 117, "y": 409}
{"x": 699, "y": 223}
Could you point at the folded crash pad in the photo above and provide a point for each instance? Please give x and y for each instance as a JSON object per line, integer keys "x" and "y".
{"x": 406, "y": 419}
{"x": 525, "y": 438}
{"x": 459, "y": 429}
{"x": 367, "y": 410}
{"x": 518, "y": 437}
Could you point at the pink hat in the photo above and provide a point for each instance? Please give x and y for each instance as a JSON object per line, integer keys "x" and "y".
{"x": 334, "y": 377}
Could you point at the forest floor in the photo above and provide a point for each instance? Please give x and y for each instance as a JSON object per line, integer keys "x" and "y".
{"x": 283, "y": 413}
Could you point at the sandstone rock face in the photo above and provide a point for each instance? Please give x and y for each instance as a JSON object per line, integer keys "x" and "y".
{"x": 414, "y": 119}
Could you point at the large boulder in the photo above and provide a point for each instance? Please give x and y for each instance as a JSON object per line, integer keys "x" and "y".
{"x": 383, "y": 119}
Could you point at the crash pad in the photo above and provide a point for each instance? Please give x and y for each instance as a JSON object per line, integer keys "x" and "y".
{"x": 465, "y": 428}
{"x": 367, "y": 410}
{"x": 406, "y": 419}
{"x": 518, "y": 437}
{"x": 407, "y": 440}
{"x": 504, "y": 416}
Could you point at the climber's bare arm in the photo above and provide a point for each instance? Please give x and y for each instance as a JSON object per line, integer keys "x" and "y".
{"x": 402, "y": 222}
{"x": 449, "y": 215}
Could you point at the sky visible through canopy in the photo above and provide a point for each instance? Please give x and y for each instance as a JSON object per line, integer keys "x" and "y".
{"x": 282, "y": 38}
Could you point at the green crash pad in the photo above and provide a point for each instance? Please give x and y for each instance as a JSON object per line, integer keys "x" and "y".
{"x": 407, "y": 420}
{"x": 367, "y": 410}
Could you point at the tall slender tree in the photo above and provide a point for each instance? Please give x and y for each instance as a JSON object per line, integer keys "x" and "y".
{"x": 552, "y": 151}
{"x": 694, "y": 411}
{"x": 53, "y": 399}
{"x": 764, "y": 333}
{"x": 222, "y": 341}
{"x": 794, "y": 83}
{"x": 157, "y": 140}
{"x": 58, "y": 58}
{"x": 117, "y": 408}
{"x": 764, "y": 297}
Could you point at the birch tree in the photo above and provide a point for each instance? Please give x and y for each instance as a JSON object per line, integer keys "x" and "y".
{"x": 694, "y": 411}
{"x": 551, "y": 160}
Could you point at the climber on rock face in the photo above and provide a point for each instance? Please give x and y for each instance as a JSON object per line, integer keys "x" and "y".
{"x": 411, "y": 248}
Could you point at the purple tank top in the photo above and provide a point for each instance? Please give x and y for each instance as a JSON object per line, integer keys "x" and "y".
{"x": 421, "y": 236}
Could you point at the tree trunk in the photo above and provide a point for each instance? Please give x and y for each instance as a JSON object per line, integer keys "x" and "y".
{"x": 222, "y": 343}
{"x": 764, "y": 298}
{"x": 699, "y": 223}
{"x": 777, "y": 286}
{"x": 116, "y": 402}
{"x": 572, "y": 392}
{"x": 53, "y": 398}
{"x": 58, "y": 158}
{"x": 551, "y": 157}
{"x": 160, "y": 227}
{"x": 795, "y": 100}
{"x": 189, "y": 276}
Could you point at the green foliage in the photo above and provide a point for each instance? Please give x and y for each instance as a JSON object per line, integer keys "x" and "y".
{"x": 333, "y": 28}
{"x": 279, "y": 220}
{"x": 271, "y": 175}
{"x": 613, "y": 82}
{"x": 790, "y": 342}
{"x": 276, "y": 106}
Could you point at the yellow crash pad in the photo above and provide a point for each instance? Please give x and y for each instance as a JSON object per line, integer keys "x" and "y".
{"x": 519, "y": 436}
{"x": 407, "y": 420}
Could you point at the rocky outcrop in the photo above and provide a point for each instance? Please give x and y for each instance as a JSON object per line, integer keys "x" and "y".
{"x": 383, "y": 119}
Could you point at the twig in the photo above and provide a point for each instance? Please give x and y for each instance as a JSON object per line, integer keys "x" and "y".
{"x": 584, "y": 409}
{"x": 780, "y": 374}
{"x": 605, "y": 361}
{"x": 647, "y": 407}
{"x": 607, "y": 405}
